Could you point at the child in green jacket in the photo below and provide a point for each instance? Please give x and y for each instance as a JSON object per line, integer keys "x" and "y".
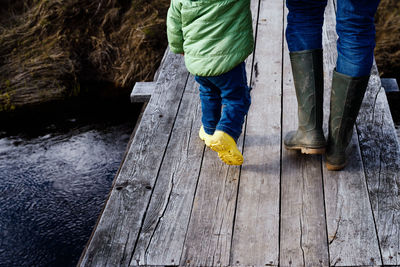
{"x": 216, "y": 37}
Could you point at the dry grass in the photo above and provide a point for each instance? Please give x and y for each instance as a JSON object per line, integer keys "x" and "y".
{"x": 49, "y": 47}
{"x": 387, "y": 50}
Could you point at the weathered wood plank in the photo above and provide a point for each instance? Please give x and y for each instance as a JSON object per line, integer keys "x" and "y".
{"x": 142, "y": 91}
{"x": 208, "y": 239}
{"x": 254, "y": 5}
{"x": 303, "y": 237}
{"x": 255, "y": 239}
{"x": 390, "y": 84}
{"x": 115, "y": 235}
{"x": 381, "y": 157}
{"x": 172, "y": 242}
{"x": 217, "y": 233}
{"x": 165, "y": 56}
{"x": 351, "y": 229}
{"x": 164, "y": 228}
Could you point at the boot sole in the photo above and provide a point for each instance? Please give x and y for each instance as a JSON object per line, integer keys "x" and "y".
{"x": 226, "y": 155}
{"x": 307, "y": 150}
{"x": 332, "y": 167}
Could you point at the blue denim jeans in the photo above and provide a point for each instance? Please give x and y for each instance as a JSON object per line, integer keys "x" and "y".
{"x": 354, "y": 26}
{"x": 228, "y": 93}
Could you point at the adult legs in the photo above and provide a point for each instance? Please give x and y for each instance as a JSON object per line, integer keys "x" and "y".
{"x": 304, "y": 24}
{"x": 304, "y": 38}
{"x": 356, "y": 31}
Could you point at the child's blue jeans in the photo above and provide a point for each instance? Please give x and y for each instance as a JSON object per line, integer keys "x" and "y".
{"x": 354, "y": 26}
{"x": 227, "y": 92}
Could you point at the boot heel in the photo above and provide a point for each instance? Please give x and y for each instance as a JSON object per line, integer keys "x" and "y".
{"x": 308, "y": 76}
{"x": 312, "y": 151}
{"x": 332, "y": 167}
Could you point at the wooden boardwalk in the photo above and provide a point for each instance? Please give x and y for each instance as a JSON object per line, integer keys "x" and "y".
{"x": 174, "y": 203}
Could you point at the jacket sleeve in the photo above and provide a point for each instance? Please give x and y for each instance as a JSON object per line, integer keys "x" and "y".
{"x": 174, "y": 27}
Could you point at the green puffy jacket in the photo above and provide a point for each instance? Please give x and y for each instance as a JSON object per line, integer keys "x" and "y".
{"x": 215, "y": 35}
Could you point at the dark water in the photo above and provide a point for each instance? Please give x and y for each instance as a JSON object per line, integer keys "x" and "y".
{"x": 53, "y": 183}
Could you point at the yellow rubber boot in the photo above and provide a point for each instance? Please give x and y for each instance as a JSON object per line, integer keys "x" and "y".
{"x": 226, "y": 147}
{"x": 204, "y": 136}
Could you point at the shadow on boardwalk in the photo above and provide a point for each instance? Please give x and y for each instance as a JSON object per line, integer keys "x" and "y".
{"x": 176, "y": 204}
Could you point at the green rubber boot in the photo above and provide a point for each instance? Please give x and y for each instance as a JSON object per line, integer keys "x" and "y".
{"x": 307, "y": 68}
{"x": 346, "y": 98}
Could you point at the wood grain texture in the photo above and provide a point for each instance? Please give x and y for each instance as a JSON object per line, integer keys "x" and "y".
{"x": 164, "y": 228}
{"x": 208, "y": 239}
{"x": 167, "y": 240}
{"x": 256, "y": 232}
{"x": 115, "y": 235}
{"x": 208, "y": 244}
{"x": 162, "y": 63}
{"x": 142, "y": 91}
{"x": 381, "y": 157}
{"x": 254, "y": 5}
{"x": 390, "y": 84}
{"x": 351, "y": 228}
{"x": 170, "y": 207}
{"x": 303, "y": 237}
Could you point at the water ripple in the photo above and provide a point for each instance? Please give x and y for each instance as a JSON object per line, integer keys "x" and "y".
{"x": 52, "y": 188}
